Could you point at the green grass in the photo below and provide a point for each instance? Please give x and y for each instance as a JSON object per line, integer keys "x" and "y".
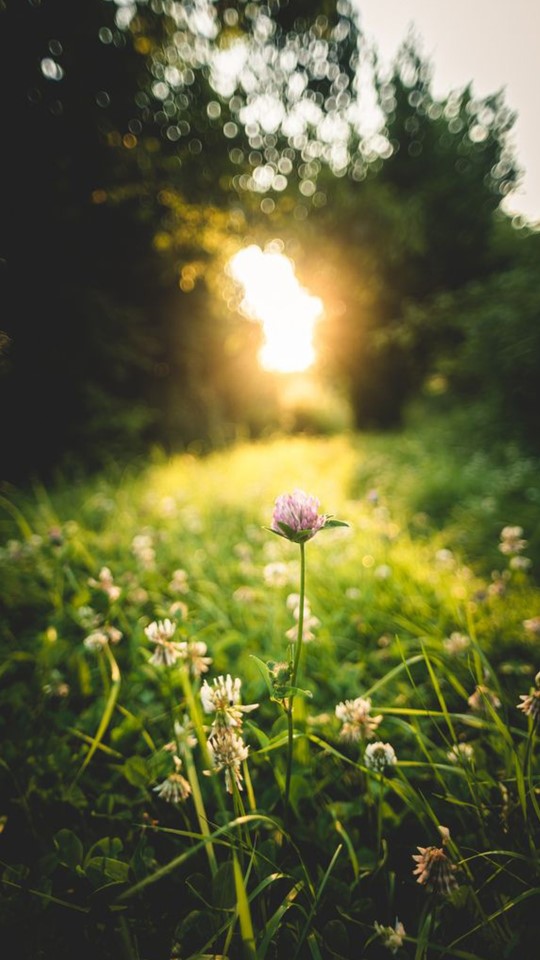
{"x": 94, "y": 861}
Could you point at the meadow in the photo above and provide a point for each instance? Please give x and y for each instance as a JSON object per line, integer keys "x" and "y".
{"x": 383, "y": 796}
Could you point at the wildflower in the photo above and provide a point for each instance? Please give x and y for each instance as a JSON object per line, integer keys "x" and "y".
{"x": 309, "y": 621}
{"x": 106, "y": 583}
{"x": 227, "y": 751}
{"x": 194, "y": 653}
{"x": 512, "y": 540}
{"x": 88, "y": 617}
{"x": 392, "y": 937}
{"x": 57, "y": 686}
{"x": 434, "y": 870}
{"x": 482, "y": 694}
{"x": 179, "y": 582}
{"x": 532, "y": 625}
{"x": 519, "y": 563}
{"x": 456, "y": 643}
{"x": 445, "y": 557}
{"x": 223, "y": 699}
{"x": 530, "y": 704}
{"x": 167, "y": 652}
{"x": 244, "y": 594}
{"x": 174, "y": 789}
{"x": 499, "y": 584}
{"x": 281, "y": 675}
{"x": 276, "y": 574}
{"x": 100, "y": 638}
{"x": 379, "y": 756}
{"x": 296, "y": 516}
{"x": 184, "y": 733}
{"x": 179, "y": 609}
{"x": 96, "y": 641}
{"x": 382, "y": 572}
{"x": 461, "y": 753}
{"x": 358, "y": 724}
{"x": 143, "y": 550}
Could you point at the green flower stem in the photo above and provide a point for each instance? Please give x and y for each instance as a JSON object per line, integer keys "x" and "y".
{"x": 296, "y": 665}
{"x": 198, "y": 802}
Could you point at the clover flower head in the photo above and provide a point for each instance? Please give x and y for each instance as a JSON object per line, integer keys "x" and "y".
{"x": 96, "y": 641}
{"x": 481, "y": 696}
{"x": 520, "y": 563}
{"x": 296, "y": 516}
{"x": 106, "y": 583}
{"x": 530, "y": 704}
{"x": 456, "y": 643}
{"x": 179, "y": 582}
{"x": 392, "y": 937}
{"x": 194, "y": 653}
{"x": 167, "y": 651}
{"x": 184, "y": 734}
{"x": 434, "y": 870}
{"x": 355, "y": 715}
{"x": 461, "y": 753}
{"x": 379, "y": 756}
{"x": 227, "y": 752}
{"x": 532, "y": 625}
{"x": 143, "y": 549}
{"x": 223, "y": 699}
{"x": 276, "y": 574}
{"x": 511, "y": 541}
{"x": 174, "y": 789}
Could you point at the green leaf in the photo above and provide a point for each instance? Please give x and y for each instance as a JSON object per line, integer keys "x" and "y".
{"x": 223, "y": 892}
{"x": 70, "y": 848}
{"x": 136, "y": 772}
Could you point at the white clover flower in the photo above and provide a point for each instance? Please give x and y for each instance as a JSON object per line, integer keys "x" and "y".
{"x": 512, "y": 540}
{"x": 227, "y": 752}
{"x": 223, "y": 699}
{"x": 456, "y": 643}
{"x": 519, "y": 563}
{"x": 530, "y": 704}
{"x": 309, "y": 622}
{"x": 392, "y": 937}
{"x": 106, "y": 583}
{"x": 276, "y": 574}
{"x": 244, "y": 594}
{"x": 434, "y": 870}
{"x": 167, "y": 652}
{"x": 461, "y": 753}
{"x": 143, "y": 549}
{"x": 179, "y": 582}
{"x": 96, "y": 641}
{"x": 379, "y": 756}
{"x": 174, "y": 789}
{"x": 355, "y": 715}
{"x": 194, "y": 653}
{"x": 445, "y": 557}
{"x": 382, "y": 572}
{"x": 481, "y": 695}
{"x": 184, "y": 733}
{"x": 179, "y": 609}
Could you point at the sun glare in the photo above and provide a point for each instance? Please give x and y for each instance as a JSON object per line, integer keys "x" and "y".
{"x": 285, "y": 310}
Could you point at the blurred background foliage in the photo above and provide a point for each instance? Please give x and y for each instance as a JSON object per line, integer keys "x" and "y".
{"x": 151, "y": 140}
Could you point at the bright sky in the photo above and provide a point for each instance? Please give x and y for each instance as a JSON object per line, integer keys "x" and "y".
{"x": 493, "y": 43}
